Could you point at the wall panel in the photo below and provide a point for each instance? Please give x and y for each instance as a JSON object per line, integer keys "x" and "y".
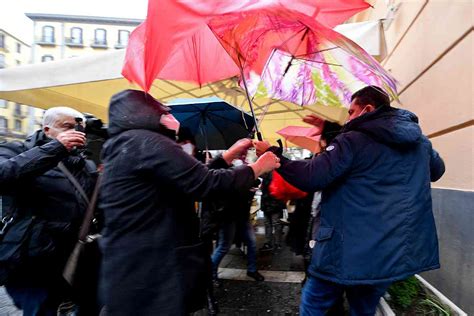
{"x": 443, "y": 96}
{"x": 456, "y": 149}
{"x": 439, "y": 25}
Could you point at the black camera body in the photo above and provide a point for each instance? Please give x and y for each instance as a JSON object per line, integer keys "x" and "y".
{"x": 96, "y": 133}
{"x": 79, "y": 127}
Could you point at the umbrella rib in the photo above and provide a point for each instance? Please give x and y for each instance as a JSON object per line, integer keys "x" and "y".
{"x": 316, "y": 52}
{"x": 286, "y": 111}
{"x": 319, "y": 62}
{"x": 181, "y": 89}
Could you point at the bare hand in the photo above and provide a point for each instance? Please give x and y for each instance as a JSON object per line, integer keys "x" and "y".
{"x": 261, "y": 147}
{"x": 71, "y": 139}
{"x": 314, "y": 120}
{"x": 237, "y": 150}
{"x": 266, "y": 163}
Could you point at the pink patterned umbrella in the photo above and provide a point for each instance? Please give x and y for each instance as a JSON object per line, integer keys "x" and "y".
{"x": 308, "y": 62}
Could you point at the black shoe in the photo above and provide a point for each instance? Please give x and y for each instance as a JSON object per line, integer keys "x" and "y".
{"x": 266, "y": 247}
{"x": 256, "y": 276}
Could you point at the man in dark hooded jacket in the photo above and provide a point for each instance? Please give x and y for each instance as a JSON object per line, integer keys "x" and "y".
{"x": 31, "y": 180}
{"x": 153, "y": 261}
{"x": 377, "y": 224}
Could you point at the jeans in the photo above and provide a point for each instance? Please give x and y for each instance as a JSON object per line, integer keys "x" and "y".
{"x": 319, "y": 295}
{"x": 272, "y": 220}
{"x": 34, "y": 301}
{"x": 226, "y": 237}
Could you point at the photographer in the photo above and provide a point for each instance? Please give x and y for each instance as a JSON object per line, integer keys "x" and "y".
{"x": 40, "y": 190}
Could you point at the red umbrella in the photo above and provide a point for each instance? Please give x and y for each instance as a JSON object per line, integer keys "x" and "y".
{"x": 175, "y": 43}
{"x": 305, "y": 137}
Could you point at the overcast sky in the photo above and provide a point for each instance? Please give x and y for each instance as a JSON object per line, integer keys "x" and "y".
{"x": 13, "y": 20}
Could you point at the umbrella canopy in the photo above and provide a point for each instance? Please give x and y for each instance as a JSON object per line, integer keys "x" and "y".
{"x": 339, "y": 66}
{"x": 215, "y": 124}
{"x": 305, "y": 137}
{"x": 175, "y": 43}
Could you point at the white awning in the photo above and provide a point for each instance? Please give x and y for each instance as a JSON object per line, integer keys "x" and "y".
{"x": 369, "y": 35}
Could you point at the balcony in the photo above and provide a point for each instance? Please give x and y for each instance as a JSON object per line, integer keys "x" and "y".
{"x": 46, "y": 41}
{"x": 20, "y": 114}
{"x": 4, "y": 49}
{"x": 73, "y": 42}
{"x": 120, "y": 46}
{"x": 99, "y": 44}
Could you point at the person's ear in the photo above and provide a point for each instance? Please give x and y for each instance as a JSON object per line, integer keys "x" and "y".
{"x": 46, "y": 130}
{"x": 370, "y": 108}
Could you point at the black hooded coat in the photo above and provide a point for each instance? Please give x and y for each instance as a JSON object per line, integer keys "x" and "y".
{"x": 152, "y": 256}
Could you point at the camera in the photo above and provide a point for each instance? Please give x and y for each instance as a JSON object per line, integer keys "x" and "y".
{"x": 79, "y": 127}
{"x": 96, "y": 134}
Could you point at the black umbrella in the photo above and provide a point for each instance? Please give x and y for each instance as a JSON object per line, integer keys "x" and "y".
{"x": 214, "y": 123}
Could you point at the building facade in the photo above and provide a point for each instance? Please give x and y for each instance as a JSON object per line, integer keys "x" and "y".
{"x": 16, "y": 120}
{"x": 65, "y": 36}
{"x": 54, "y": 37}
{"x": 430, "y": 52}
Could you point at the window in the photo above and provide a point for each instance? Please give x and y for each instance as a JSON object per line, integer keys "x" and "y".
{"x": 2, "y": 40}
{"x": 2, "y": 61}
{"x": 76, "y": 35}
{"x": 17, "y": 109}
{"x": 18, "y": 48}
{"x": 100, "y": 37}
{"x": 3, "y": 104}
{"x": 45, "y": 58}
{"x": 48, "y": 34}
{"x": 3, "y": 123}
{"x": 18, "y": 125}
{"x": 123, "y": 37}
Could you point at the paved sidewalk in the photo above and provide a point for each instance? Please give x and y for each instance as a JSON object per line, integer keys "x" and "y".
{"x": 250, "y": 298}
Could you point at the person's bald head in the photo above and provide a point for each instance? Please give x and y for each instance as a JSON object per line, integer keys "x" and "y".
{"x": 60, "y": 119}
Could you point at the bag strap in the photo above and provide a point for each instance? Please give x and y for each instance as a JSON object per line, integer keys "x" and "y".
{"x": 73, "y": 180}
{"x": 86, "y": 223}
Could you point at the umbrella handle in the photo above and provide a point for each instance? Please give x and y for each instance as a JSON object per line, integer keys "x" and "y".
{"x": 259, "y": 136}
{"x": 280, "y": 143}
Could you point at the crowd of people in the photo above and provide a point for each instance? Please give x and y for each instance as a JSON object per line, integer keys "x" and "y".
{"x": 366, "y": 219}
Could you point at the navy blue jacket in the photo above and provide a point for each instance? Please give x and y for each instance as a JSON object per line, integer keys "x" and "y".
{"x": 377, "y": 223}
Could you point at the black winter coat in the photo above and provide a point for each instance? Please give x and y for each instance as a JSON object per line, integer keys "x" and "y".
{"x": 151, "y": 230}
{"x": 33, "y": 185}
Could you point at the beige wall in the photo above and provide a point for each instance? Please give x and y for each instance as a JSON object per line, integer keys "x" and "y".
{"x": 26, "y": 117}
{"x": 12, "y": 57}
{"x": 431, "y": 54}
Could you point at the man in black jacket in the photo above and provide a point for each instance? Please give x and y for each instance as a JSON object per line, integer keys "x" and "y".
{"x": 153, "y": 261}
{"x": 34, "y": 185}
